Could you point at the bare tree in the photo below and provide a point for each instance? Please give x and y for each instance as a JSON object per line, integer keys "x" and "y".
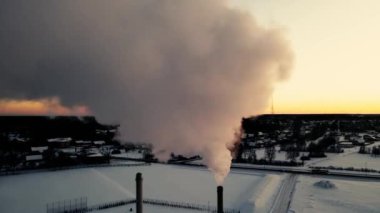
{"x": 270, "y": 153}
{"x": 106, "y": 152}
{"x": 252, "y": 156}
{"x": 292, "y": 153}
{"x": 376, "y": 151}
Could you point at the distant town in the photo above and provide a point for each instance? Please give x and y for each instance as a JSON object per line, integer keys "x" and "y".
{"x": 33, "y": 142}
{"x": 29, "y": 142}
{"x": 302, "y": 137}
{"x": 279, "y": 158}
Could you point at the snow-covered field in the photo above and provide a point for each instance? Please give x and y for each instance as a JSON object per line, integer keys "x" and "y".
{"x": 351, "y": 158}
{"x": 280, "y": 156}
{"x": 246, "y": 190}
{"x": 347, "y": 196}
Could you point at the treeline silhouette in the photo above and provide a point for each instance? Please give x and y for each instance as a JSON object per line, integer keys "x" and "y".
{"x": 347, "y": 122}
{"x": 37, "y": 129}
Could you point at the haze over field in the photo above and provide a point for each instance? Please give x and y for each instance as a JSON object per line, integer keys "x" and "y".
{"x": 178, "y": 74}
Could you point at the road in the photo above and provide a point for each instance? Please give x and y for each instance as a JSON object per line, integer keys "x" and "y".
{"x": 293, "y": 170}
{"x": 285, "y": 194}
{"x": 308, "y": 171}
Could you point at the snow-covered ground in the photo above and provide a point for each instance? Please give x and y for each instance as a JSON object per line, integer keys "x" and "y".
{"x": 346, "y": 195}
{"x": 246, "y": 190}
{"x": 146, "y": 209}
{"x": 130, "y": 154}
{"x": 280, "y": 156}
{"x": 350, "y": 158}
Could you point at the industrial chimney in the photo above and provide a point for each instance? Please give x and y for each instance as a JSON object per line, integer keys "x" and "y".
{"x": 139, "y": 196}
{"x": 220, "y": 199}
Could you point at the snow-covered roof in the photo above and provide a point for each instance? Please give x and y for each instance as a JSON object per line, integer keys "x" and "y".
{"x": 69, "y": 150}
{"x": 341, "y": 138}
{"x": 83, "y": 142}
{"x": 99, "y": 142}
{"x": 59, "y": 140}
{"x": 346, "y": 143}
{"x": 17, "y": 137}
{"x": 21, "y": 139}
{"x": 95, "y": 155}
{"x": 93, "y": 150}
{"x": 33, "y": 157}
{"x": 39, "y": 148}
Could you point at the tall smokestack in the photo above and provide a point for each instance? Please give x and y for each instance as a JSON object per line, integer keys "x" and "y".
{"x": 220, "y": 199}
{"x": 139, "y": 199}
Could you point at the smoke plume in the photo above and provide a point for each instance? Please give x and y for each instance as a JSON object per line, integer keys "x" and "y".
{"x": 178, "y": 74}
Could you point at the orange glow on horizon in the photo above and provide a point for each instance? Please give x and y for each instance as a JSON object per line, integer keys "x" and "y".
{"x": 48, "y": 106}
{"x": 328, "y": 108}
{"x": 336, "y": 68}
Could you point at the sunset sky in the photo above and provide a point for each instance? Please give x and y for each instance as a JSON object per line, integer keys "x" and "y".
{"x": 336, "y": 44}
{"x": 50, "y": 106}
{"x": 336, "y": 69}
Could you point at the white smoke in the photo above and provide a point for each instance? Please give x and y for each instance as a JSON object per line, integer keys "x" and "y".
{"x": 178, "y": 74}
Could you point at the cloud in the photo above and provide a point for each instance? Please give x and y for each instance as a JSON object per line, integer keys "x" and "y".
{"x": 45, "y": 106}
{"x": 178, "y": 74}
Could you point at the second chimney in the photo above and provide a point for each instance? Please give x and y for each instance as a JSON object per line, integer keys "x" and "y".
{"x": 139, "y": 199}
{"x": 220, "y": 199}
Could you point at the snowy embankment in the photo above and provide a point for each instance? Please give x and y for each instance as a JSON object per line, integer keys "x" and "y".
{"x": 263, "y": 198}
{"x": 317, "y": 194}
{"x": 31, "y": 192}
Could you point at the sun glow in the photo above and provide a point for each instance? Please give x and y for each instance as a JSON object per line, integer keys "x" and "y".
{"x": 47, "y": 106}
{"x": 336, "y": 47}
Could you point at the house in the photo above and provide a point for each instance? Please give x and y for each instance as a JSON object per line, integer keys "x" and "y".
{"x": 69, "y": 150}
{"x": 101, "y": 132}
{"x": 83, "y": 143}
{"x": 99, "y": 143}
{"x": 59, "y": 142}
{"x": 346, "y": 144}
{"x": 39, "y": 149}
{"x": 34, "y": 158}
{"x": 95, "y": 158}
